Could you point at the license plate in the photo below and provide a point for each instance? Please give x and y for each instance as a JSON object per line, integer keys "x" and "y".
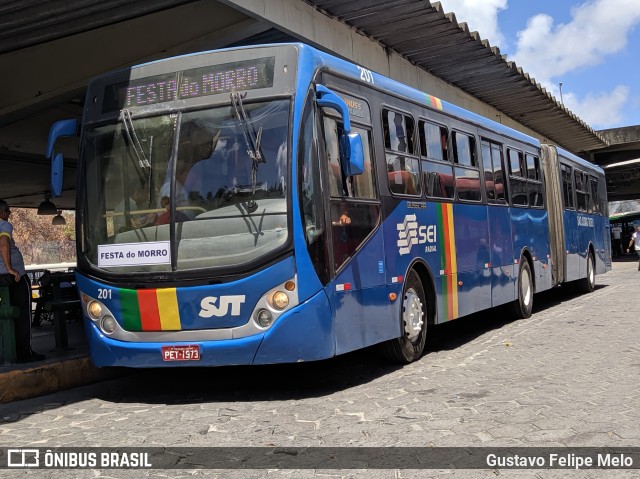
{"x": 190, "y": 352}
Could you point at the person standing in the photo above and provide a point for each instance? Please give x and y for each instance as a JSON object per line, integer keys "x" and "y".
{"x": 616, "y": 233}
{"x": 635, "y": 240}
{"x": 13, "y": 271}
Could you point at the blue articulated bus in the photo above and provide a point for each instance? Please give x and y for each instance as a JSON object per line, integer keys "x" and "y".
{"x": 274, "y": 203}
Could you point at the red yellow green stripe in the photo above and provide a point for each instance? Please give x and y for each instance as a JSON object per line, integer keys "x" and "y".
{"x": 150, "y": 309}
{"x": 449, "y": 268}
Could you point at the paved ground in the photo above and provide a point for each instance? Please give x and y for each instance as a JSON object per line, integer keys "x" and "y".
{"x": 568, "y": 376}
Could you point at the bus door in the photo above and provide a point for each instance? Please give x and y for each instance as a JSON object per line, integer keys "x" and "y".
{"x": 500, "y": 241}
{"x": 472, "y": 240}
{"x": 572, "y": 233}
{"x": 356, "y": 245}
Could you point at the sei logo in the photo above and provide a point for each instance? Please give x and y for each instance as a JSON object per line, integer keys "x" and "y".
{"x": 410, "y": 233}
{"x": 209, "y": 308}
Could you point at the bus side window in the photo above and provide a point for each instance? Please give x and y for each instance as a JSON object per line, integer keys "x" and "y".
{"x": 582, "y": 192}
{"x": 353, "y": 209}
{"x": 517, "y": 178}
{"x": 493, "y": 164}
{"x": 595, "y": 197}
{"x": 403, "y": 171}
{"x": 467, "y": 175}
{"x": 534, "y": 181}
{"x": 567, "y": 187}
{"x": 437, "y": 169}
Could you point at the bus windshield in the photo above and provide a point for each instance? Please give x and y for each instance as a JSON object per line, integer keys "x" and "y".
{"x": 202, "y": 172}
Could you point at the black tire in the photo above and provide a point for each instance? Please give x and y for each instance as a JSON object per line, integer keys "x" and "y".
{"x": 588, "y": 284}
{"x": 413, "y": 321}
{"x": 523, "y": 305}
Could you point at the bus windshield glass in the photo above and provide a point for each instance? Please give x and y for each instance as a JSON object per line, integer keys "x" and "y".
{"x": 217, "y": 178}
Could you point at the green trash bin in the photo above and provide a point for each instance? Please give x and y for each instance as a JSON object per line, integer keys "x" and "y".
{"x": 7, "y": 327}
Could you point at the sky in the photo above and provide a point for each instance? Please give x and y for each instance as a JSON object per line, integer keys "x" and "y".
{"x": 591, "y": 47}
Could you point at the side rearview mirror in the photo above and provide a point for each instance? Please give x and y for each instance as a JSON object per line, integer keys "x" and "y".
{"x": 352, "y": 153}
{"x": 62, "y": 128}
{"x": 351, "y": 149}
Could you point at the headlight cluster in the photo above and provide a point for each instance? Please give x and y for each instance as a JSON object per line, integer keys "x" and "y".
{"x": 274, "y": 303}
{"x": 100, "y": 315}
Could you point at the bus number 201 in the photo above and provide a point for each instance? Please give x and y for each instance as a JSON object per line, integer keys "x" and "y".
{"x": 366, "y": 75}
{"x": 104, "y": 294}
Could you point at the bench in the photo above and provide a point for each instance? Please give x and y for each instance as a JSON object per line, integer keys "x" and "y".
{"x": 58, "y": 296}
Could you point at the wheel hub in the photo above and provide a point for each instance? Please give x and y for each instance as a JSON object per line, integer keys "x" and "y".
{"x": 412, "y": 314}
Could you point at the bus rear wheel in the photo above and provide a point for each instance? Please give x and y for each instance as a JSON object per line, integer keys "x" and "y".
{"x": 523, "y": 305}
{"x": 588, "y": 284}
{"x": 413, "y": 321}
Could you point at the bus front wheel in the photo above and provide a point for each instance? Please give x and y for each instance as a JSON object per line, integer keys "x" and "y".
{"x": 413, "y": 322}
{"x": 523, "y": 305}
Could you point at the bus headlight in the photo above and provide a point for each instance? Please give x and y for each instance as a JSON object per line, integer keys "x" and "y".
{"x": 108, "y": 324}
{"x": 264, "y": 318}
{"x": 280, "y": 300}
{"x": 94, "y": 309}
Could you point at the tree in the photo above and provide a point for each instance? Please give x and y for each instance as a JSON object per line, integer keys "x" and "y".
{"x": 41, "y": 242}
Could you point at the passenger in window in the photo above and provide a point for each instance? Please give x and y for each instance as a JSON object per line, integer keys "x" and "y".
{"x": 213, "y": 176}
{"x": 344, "y": 218}
{"x": 164, "y": 218}
{"x": 137, "y": 202}
{"x": 182, "y": 196}
{"x": 443, "y": 144}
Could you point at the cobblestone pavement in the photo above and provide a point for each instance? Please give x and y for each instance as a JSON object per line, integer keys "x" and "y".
{"x": 568, "y": 376}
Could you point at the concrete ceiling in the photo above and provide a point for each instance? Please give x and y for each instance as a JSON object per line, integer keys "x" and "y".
{"x": 52, "y": 48}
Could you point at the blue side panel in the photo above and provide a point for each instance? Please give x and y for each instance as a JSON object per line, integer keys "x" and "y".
{"x": 582, "y": 230}
{"x": 503, "y": 278}
{"x": 531, "y": 233}
{"x": 473, "y": 257}
{"x": 572, "y": 245}
{"x": 364, "y": 314}
{"x": 399, "y": 224}
{"x": 303, "y": 334}
{"x": 602, "y": 244}
{"x": 593, "y": 230}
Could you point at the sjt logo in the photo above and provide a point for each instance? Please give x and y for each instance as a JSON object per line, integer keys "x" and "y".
{"x": 409, "y": 233}
{"x": 209, "y": 307}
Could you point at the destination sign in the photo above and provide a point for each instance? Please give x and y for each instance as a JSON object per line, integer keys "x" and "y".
{"x": 193, "y": 83}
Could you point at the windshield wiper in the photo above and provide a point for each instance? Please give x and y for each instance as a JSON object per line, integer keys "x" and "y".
{"x": 251, "y": 139}
{"x": 144, "y": 163}
{"x": 134, "y": 140}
